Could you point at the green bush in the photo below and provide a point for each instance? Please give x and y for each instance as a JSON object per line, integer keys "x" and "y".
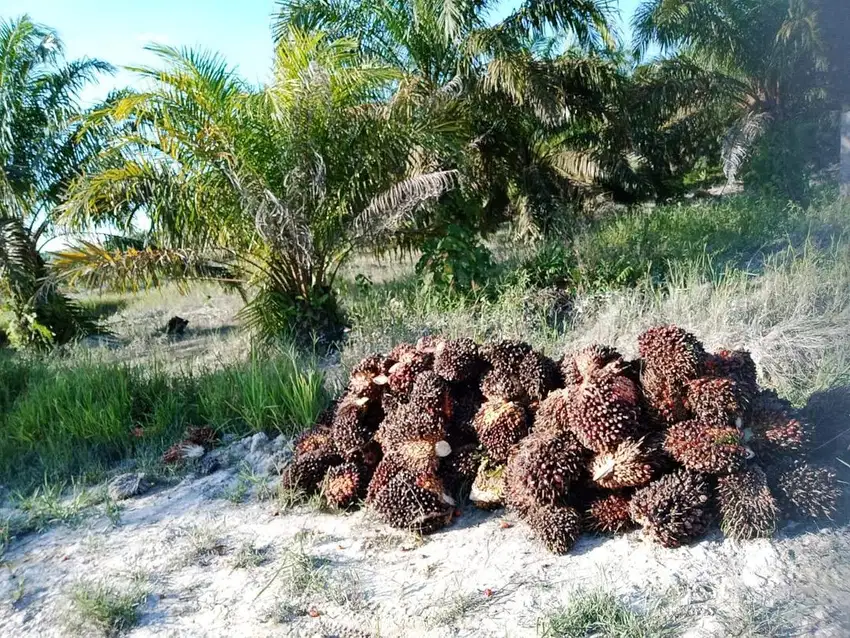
{"x": 455, "y": 263}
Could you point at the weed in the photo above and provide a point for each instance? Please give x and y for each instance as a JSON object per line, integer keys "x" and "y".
{"x": 249, "y": 482}
{"x": 76, "y": 417}
{"x": 51, "y": 504}
{"x": 204, "y": 544}
{"x": 106, "y": 609}
{"x": 112, "y": 509}
{"x": 456, "y": 606}
{"x": 304, "y": 577}
{"x": 249, "y": 555}
{"x": 599, "y": 613}
{"x": 751, "y": 616}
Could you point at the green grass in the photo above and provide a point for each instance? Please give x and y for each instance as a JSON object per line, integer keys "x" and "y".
{"x": 600, "y": 614}
{"x": 789, "y": 305}
{"x": 77, "y": 417}
{"x": 104, "y": 609}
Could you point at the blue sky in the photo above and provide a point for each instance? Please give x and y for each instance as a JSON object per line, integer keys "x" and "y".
{"x": 118, "y": 31}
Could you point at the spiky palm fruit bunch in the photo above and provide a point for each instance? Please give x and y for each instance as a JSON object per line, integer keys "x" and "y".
{"x": 538, "y": 375}
{"x": 352, "y": 430}
{"x": 774, "y": 429}
{"x": 630, "y": 464}
{"x": 420, "y": 456}
{"x": 554, "y": 413}
{"x": 457, "y": 360}
{"x": 408, "y": 422}
{"x": 605, "y": 409}
{"x": 403, "y": 373}
{"x": 746, "y": 506}
{"x": 326, "y": 416}
{"x": 362, "y": 382}
{"x": 398, "y": 352}
{"x": 557, "y": 526}
{"x": 342, "y": 485}
{"x": 307, "y": 471}
{"x": 460, "y": 467}
{"x": 381, "y": 477}
{"x": 428, "y": 343}
{"x": 543, "y": 468}
{"x": 466, "y": 401}
{"x": 706, "y": 448}
{"x": 804, "y": 490}
{"x": 577, "y": 365}
{"x": 675, "y": 509}
{"x": 610, "y": 515}
{"x": 715, "y": 401}
{"x": 737, "y": 365}
{"x": 316, "y": 438}
{"x": 500, "y": 426}
{"x": 415, "y": 503}
{"x": 488, "y": 488}
{"x": 506, "y": 354}
{"x": 502, "y": 384}
{"x": 432, "y": 394}
{"x": 671, "y": 357}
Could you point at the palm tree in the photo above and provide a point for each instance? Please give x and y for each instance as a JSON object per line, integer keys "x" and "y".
{"x": 40, "y": 153}
{"x": 511, "y": 88}
{"x": 770, "y": 47}
{"x": 834, "y": 26}
{"x": 272, "y": 187}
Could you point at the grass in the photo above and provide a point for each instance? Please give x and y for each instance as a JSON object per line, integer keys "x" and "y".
{"x": 305, "y": 578}
{"x": 77, "y": 417}
{"x": 600, "y": 614}
{"x": 104, "y": 609}
{"x": 789, "y": 306}
{"x": 750, "y": 616}
{"x": 249, "y": 555}
{"x": 204, "y": 544}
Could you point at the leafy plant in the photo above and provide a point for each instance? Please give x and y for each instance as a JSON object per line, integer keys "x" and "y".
{"x": 455, "y": 263}
{"x": 274, "y": 187}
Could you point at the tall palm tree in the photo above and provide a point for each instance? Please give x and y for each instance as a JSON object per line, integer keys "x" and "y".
{"x": 272, "y": 186}
{"x": 509, "y": 86}
{"x": 771, "y": 48}
{"x": 40, "y": 153}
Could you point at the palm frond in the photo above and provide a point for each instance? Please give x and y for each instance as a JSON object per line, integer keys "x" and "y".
{"x": 739, "y": 141}
{"x": 389, "y": 209}
{"x": 133, "y": 269}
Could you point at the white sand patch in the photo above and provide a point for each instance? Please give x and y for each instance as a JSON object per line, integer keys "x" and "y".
{"x": 476, "y": 578}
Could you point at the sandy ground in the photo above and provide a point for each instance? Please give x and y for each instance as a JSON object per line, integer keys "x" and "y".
{"x": 321, "y": 572}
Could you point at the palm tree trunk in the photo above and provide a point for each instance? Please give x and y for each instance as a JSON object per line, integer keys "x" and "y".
{"x": 844, "y": 178}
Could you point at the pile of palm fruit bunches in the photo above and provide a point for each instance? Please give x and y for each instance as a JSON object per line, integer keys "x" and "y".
{"x": 671, "y": 442}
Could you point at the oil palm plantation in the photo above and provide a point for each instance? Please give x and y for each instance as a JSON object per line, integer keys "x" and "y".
{"x": 513, "y": 86}
{"x": 773, "y": 49}
{"x": 270, "y": 187}
{"x": 41, "y": 151}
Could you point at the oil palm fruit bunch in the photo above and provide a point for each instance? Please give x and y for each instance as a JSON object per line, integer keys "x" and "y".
{"x": 671, "y": 442}
{"x": 675, "y": 509}
{"x": 605, "y": 408}
{"x": 610, "y": 514}
{"x": 671, "y": 357}
{"x": 746, "y": 505}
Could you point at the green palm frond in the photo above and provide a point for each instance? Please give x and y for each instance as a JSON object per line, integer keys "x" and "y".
{"x": 133, "y": 269}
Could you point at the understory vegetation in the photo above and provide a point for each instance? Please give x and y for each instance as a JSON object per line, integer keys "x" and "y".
{"x": 74, "y": 417}
{"x": 739, "y": 272}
